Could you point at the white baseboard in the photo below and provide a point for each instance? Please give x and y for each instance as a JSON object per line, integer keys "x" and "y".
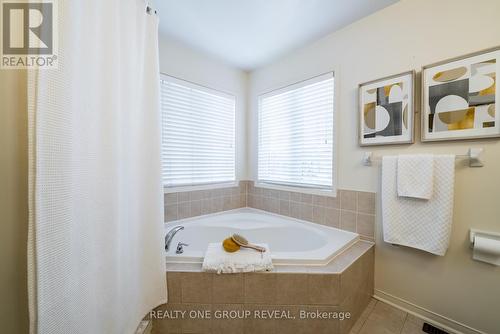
{"x": 447, "y": 324}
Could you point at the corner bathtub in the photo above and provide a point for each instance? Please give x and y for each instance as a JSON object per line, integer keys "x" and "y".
{"x": 291, "y": 241}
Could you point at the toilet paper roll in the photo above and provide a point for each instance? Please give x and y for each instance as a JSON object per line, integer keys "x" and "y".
{"x": 486, "y": 250}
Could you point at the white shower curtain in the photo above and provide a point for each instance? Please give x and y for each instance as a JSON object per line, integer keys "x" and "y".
{"x": 95, "y": 253}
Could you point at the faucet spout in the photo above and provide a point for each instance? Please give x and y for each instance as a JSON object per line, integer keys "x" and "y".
{"x": 170, "y": 236}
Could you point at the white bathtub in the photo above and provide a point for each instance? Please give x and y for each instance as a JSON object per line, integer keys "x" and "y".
{"x": 291, "y": 241}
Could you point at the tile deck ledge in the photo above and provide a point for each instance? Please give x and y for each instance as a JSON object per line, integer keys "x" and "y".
{"x": 336, "y": 266}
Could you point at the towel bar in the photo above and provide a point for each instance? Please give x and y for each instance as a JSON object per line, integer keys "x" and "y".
{"x": 473, "y": 155}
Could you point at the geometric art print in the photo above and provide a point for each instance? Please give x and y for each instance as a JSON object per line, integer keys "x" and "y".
{"x": 386, "y": 110}
{"x": 460, "y": 98}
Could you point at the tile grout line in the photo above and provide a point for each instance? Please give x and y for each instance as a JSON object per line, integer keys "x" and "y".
{"x": 404, "y": 323}
{"x": 367, "y": 317}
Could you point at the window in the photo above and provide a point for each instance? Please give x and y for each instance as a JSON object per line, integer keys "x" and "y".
{"x": 198, "y": 134}
{"x": 295, "y": 130}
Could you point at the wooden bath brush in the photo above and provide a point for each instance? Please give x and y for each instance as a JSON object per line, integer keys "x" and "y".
{"x": 241, "y": 241}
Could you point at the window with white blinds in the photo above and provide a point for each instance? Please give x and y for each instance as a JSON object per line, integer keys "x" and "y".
{"x": 295, "y": 129}
{"x": 198, "y": 134}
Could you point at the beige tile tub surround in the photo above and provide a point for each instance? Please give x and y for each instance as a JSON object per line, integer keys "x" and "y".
{"x": 188, "y": 204}
{"x": 345, "y": 285}
{"x": 351, "y": 210}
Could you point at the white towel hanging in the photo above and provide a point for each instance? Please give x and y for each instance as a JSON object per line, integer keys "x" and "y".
{"x": 416, "y": 175}
{"x": 411, "y": 222}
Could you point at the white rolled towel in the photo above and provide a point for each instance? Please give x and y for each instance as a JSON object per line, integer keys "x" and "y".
{"x": 245, "y": 260}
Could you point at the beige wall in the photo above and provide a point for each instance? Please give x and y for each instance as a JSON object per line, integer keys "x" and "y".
{"x": 13, "y": 202}
{"x": 406, "y": 36}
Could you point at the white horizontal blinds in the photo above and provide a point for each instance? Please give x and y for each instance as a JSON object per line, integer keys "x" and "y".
{"x": 296, "y": 134}
{"x": 198, "y": 134}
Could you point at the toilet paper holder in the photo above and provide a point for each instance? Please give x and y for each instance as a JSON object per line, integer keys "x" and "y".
{"x": 474, "y": 232}
{"x": 485, "y": 246}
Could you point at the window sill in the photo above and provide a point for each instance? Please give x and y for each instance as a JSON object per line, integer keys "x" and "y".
{"x": 168, "y": 190}
{"x": 313, "y": 191}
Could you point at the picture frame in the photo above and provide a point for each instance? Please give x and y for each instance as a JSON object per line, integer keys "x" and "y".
{"x": 386, "y": 110}
{"x": 459, "y": 98}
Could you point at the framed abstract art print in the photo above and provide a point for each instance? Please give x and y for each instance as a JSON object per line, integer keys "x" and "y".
{"x": 386, "y": 110}
{"x": 459, "y": 98}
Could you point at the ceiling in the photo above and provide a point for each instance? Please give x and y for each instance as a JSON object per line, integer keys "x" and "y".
{"x": 248, "y": 34}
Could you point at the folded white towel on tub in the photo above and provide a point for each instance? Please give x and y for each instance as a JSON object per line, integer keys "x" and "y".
{"x": 416, "y": 175}
{"x": 245, "y": 260}
{"x": 417, "y": 223}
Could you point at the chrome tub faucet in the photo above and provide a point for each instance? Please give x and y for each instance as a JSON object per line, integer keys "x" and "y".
{"x": 170, "y": 236}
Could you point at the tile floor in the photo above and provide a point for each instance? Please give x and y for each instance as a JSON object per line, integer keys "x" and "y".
{"x": 382, "y": 318}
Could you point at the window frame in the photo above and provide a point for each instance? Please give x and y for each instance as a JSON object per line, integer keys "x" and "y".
{"x": 330, "y": 192}
{"x": 216, "y": 91}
